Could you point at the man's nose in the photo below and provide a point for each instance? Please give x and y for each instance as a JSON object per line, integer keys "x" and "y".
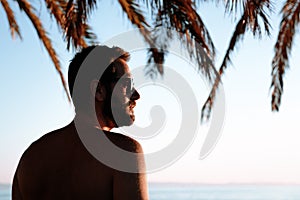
{"x": 135, "y": 95}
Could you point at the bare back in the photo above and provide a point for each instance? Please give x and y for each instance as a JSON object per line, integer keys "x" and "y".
{"x": 58, "y": 166}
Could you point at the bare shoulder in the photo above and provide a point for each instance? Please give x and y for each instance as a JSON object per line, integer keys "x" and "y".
{"x": 43, "y": 155}
{"x": 131, "y": 184}
{"x": 48, "y": 144}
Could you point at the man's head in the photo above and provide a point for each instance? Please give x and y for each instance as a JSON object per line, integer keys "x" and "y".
{"x": 113, "y": 93}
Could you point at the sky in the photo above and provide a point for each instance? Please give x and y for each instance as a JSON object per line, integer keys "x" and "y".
{"x": 256, "y": 145}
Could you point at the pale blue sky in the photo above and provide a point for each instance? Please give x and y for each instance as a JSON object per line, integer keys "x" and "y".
{"x": 256, "y": 144}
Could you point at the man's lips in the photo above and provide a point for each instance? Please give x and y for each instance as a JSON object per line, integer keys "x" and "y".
{"x": 132, "y": 105}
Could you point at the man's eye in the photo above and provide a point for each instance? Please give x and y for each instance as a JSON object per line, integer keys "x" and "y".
{"x": 126, "y": 83}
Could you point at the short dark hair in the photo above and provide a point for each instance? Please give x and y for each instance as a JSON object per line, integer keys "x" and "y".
{"x": 107, "y": 59}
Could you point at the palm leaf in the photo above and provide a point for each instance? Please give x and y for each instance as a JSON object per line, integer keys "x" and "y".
{"x": 231, "y": 6}
{"x": 249, "y": 20}
{"x": 57, "y": 9}
{"x": 178, "y": 15}
{"x": 136, "y": 17}
{"x": 290, "y": 18}
{"x": 76, "y": 29}
{"x": 155, "y": 54}
{"x": 181, "y": 16}
{"x": 85, "y": 7}
{"x": 28, "y": 9}
{"x": 14, "y": 28}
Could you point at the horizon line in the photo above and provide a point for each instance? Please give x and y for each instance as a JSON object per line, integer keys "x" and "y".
{"x": 205, "y": 183}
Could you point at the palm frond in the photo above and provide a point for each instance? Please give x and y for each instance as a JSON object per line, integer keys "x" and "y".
{"x": 85, "y": 7}
{"x": 77, "y": 31}
{"x": 155, "y": 54}
{"x": 252, "y": 12}
{"x": 57, "y": 9}
{"x": 74, "y": 29}
{"x": 232, "y": 6}
{"x": 156, "y": 59}
{"x": 290, "y": 19}
{"x": 134, "y": 13}
{"x": 152, "y": 5}
{"x": 28, "y": 9}
{"x": 181, "y": 17}
{"x": 240, "y": 30}
{"x": 136, "y": 17}
{"x": 14, "y": 28}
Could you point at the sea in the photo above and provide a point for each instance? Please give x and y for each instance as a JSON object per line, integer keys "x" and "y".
{"x": 175, "y": 191}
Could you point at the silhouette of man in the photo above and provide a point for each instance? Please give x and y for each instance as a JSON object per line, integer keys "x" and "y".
{"x": 59, "y": 166}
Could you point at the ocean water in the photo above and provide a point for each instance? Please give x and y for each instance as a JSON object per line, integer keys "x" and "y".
{"x": 223, "y": 192}
{"x": 5, "y": 192}
{"x": 163, "y": 191}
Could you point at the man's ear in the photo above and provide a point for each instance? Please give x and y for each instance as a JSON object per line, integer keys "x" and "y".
{"x": 98, "y": 91}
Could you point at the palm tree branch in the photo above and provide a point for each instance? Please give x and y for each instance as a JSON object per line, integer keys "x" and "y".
{"x": 238, "y": 33}
{"x": 77, "y": 31}
{"x": 231, "y": 6}
{"x": 56, "y": 9}
{"x": 283, "y": 47}
{"x": 252, "y": 11}
{"x": 85, "y": 7}
{"x": 14, "y": 28}
{"x": 182, "y": 17}
{"x": 136, "y": 17}
{"x": 27, "y": 8}
{"x": 155, "y": 54}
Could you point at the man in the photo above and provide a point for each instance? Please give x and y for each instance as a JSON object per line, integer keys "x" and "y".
{"x": 59, "y": 166}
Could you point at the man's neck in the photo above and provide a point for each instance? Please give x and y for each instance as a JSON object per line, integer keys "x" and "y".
{"x": 89, "y": 120}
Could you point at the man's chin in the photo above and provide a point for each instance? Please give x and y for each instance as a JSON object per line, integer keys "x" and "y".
{"x": 125, "y": 121}
{"x": 132, "y": 117}
{"x": 130, "y": 121}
